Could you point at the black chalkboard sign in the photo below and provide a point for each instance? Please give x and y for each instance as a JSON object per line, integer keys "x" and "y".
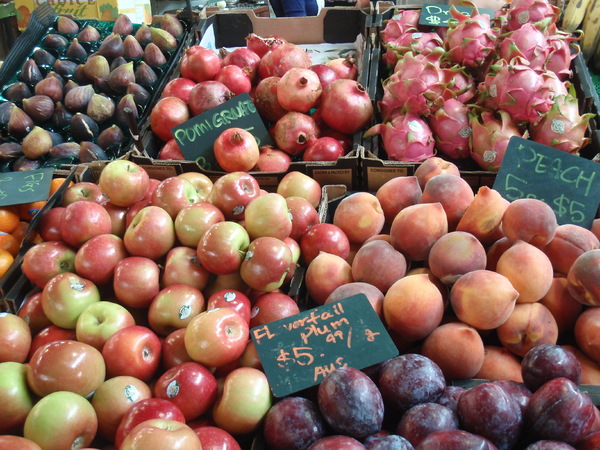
{"x": 437, "y": 15}
{"x": 25, "y": 187}
{"x": 196, "y": 136}
{"x": 299, "y": 351}
{"x": 569, "y": 184}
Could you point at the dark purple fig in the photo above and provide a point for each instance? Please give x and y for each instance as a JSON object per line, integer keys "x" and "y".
{"x": 163, "y": 39}
{"x": 57, "y": 138}
{"x": 24, "y": 163}
{"x": 121, "y": 118}
{"x": 53, "y": 74}
{"x": 110, "y": 136}
{"x": 78, "y": 98}
{"x": 88, "y": 152}
{"x": 19, "y": 124}
{"x": 43, "y": 57}
{"x": 101, "y": 85}
{"x": 143, "y": 34}
{"x": 17, "y": 91}
{"x": 79, "y": 76}
{"x": 55, "y": 41}
{"x": 89, "y": 34}
{"x": 170, "y": 23}
{"x": 30, "y": 72}
{"x": 76, "y": 50}
{"x": 50, "y": 86}
{"x": 68, "y": 86}
{"x": 5, "y": 110}
{"x": 39, "y": 107}
{"x": 65, "y": 68}
{"x": 96, "y": 67}
{"x": 123, "y": 25}
{"x": 154, "y": 56}
{"x": 65, "y": 150}
{"x": 140, "y": 94}
{"x": 100, "y": 108}
{"x": 83, "y": 127}
{"x": 66, "y": 25}
{"x": 145, "y": 75}
{"x": 37, "y": 143}
{"x": 61, "y": 117}
{"x": 111, "y": 47}
{"x": 10, "y": 150}
{"x": 121, "y": 77}
{"x": 132, "y": 48}
{"x": 118, "y": 61}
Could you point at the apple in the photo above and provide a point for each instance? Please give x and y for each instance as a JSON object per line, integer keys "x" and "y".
{"x": 183, "y": 267}
{"x": 100, "y": 320}
{"x": 49, "y": 334}
{"x": 268, "y": 215}
{"x": 118, "y": 216}
{"x": 304, "y": 215}
{"x": 192, "y": 221}
{"x": 15, "y": 397}
{"x": 232, "y": 192}
{"x": 160, "y": 434}
{"x": 123, "y": 182}
{"x": 61, "y": 420}
{"x": 190, "y": 386}
{"x": 83, "y": 190}
{"x": 266, "y": 264}
{"x": 66, "y": 366}
{"x": 82, "y": 220}
{"x": 15, "y": 338}
{"x": 325, "y": 237}
{"x": 272, "y": 306}
{"x": 298, "y": 184}
{"x": 173, "y": 350}
{"x": 230, "y": 298}
{"x": 216, "y": 337}
{"x": 273, "y": 160}
{"x": 10, "y": 441}
{"x": 173, "y": 194}
{"x": 47, "y": 259}
{"x": 96, "y": 259}
{"x": 133, "y": 351}
{"x": 136, "y": 281}
{"x": 133, "y": 210}
{"x": 222, "y": 248}
{"x": 50, "y": 223}
{"x": 151, "y": 233}
{"x": 31, "y": 311}
{"x": 174, "y": 307}
{"x": 202, "y": 183}
{"x": 65, "y": 297}
{"x": 215, "y": 438}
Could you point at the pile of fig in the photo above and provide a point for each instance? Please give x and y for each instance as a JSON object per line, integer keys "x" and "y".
{"x": 81, "y": 88}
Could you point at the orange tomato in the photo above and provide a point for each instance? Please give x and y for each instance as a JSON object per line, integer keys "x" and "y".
{"x": 9, "y": 219}
{"x": 6, "y": 259}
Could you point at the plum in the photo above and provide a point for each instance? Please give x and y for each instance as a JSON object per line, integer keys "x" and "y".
{"x": 351, "y": 403}
{"x": 390, "y": 442}
{"x": 590, "y": 441}
{"x": 548, "y": 361}
{"x": 423, "y": 419}
{"x": 450, "y": 397}
{"x": 518, "y": 390}
{"x": 293, "y": 423}
{"x": 455, "y": 440}
{"x": 336, "y": 442}
{"x": 549, "y": 445}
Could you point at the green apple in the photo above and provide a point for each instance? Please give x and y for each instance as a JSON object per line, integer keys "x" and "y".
{"x": 100, "y": 320}
{"x": 15, "y": 396}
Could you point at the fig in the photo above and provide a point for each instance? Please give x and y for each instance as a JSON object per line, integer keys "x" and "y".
{"x": 119, "y": 78}
{"x": 153, "y": 55}
{"x": 10, "y": 150}
{"x": 172, "y": 24}
{"x": 123, "y": 25}
{"x": 24, "y": 163}
{"x": 79, "y": 75}
{"x": 110, "y": 136}
{"x": 65, "y": 68}
{"x": 88, "y": 152}
{"x": 96, "y": 67}
{"x": 163, "y": 39}
{"x": 65, "y": 150}
{"x": 139, "y": 92}
{"x": 100, "y": 108}
{"x": 66, "y": 25}
{"x": 145, "y": 75}
{"x": 89, "y": 34}
{"x": 121, "y": 118}
{"x": 57, "y": 138}
{"x": 83, "y": 127}
{"x": 76, "y": 50}
{"x": 132, "y": 48}
{"x": 50, "y": 86}
{"x": 37, "y": 143}
{"x": 43, "y": 57}
{"x": 55, "y": 41}
{"x": 111, "y": 47}
{"x": 68, "y": 86}
{"x": 78, "y": 98}
{"x": 5, "y": 110}
{"x": 102, "y": 86}
{"x": 61, "y": 117}
{"x": 30, "y": 72}
{"x": 118, "y": 61}
{"x": 39, "y": 107}
{"x": 17, "y": 92}
{"x": 19, "y": 123}
{"x": 143, "y": 34}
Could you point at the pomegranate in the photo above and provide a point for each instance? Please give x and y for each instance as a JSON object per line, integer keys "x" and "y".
{"x": 344, "y": 67}
{"x": 346, "y": 106}
{"x": 285, "y": 57}
{"x": 236, "y": 150}
{"x": 265, "y": 99}
{"x": 235, "y": 78}
{"x": 293, "y": 132}
{"x": 273, "y": 160}
{"x": 244, "y": 58}
{"x": 179, "y": 87}
{"x": 299, "y": 90}
{"x": 171, "y": 151}
{"x": 323, "y": 149}
{"x": 166, "y": 114}
{"x": 199, "y": 63}
{"x": 262, "y": 45}
{"x": 325, "y": 73}
{"x": 208, "y": 94}
{"x": 343, "y": 138}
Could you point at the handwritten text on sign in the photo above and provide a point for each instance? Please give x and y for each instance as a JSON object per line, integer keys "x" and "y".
{"x": 569, "y": 184}
{"x": 25, "y": 187}
{"x": 438, "y": 15}
{"x": 299, "y": 351}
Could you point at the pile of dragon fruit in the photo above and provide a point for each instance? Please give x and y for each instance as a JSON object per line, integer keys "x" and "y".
{"x": 465, "y": 90}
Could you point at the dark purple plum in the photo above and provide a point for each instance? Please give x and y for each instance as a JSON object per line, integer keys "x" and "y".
{"x": 351, "y": 403}
{"x": 455, "y": 440}
{"x": 549, "y": 445}
{"x": 518, "y": 390}
{"x": 336, "y": 442}
{"x": 489, "y": 411}
{"x": 423, "y": 419}
{"x": 450, "y": 397}
{"x": 293, "y": 423}
{"x": 391, "y": 442}
{"x": 548, "y": 361}
{"x": 590, "y": 442}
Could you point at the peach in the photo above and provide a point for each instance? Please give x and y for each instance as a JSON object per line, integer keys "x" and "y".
{"x": 584, "y": 278}
{"x": 528, "y": 269}
{"x": 455, "y": 254}
{"x": 596, "y": 227}
{"x": 360, "y": 216}
{"x": 378, "y": 263}
{"x": 529, "y": 324}
{"x": 453, "y": 192}
{"x": 483, "y": 299}
{"x": 374, "y": 295}
{"x": 398, "y": 193}
{"x": 484, "y": 215}
{"x": 416, "y": 228}
{"x": 413, "y": 307}
{"x": 587, "y": 333}
{"x": 500, "y": 364}
{"x": 433, "y": 166}
{"x": 457, "y": 348}
{"x": 530, "y": 220}
{"x": 563, "y": 306}
{"x": 324, "y": 274}
{"x": 590, "y": 371}
{"x": 495, "y": 251}
{"x": 444, "y": 289}
{"x": 568, "y": 243}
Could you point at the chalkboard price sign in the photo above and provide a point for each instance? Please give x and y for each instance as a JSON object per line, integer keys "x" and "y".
{"x": 569, "y": 184}
{"x": 25, "y": 187}
{"x": 438, "y": 15}
{"x": 299, "y": 351}
{"x": 196, "y": 136}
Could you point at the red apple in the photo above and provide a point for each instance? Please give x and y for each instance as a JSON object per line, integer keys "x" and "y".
{"x": 15, "y": 397}
{"x": 151, "y": 233}
{"x": 31, "y": 311}
{"x": 100, "y": 320}
{"x": 232, "y": 192}
{"x": 173, "y": 194}
{"x": 133, "y": 210}
{"x": 272, "y": 306}
{"x": 45, "y": 260}
{"x": 266, "y": 264}
{"x": 118, "y": 215}
{"x": 82, "y": 220}
{"x": 298, "y": 184}
{"x": 50, "y": 224}
{"x": 215, "y": 438}
{"x": 304, "y": 215}
{"x": 325, "y": 237}
{"x": 268, "y": 215}
{"x": 174, "y": 307}
{"x": 123, "y": 182}
{"x": 83, "y": 190}
{"x": 49, "y": 334}
{"x": 10, "y": 441}
{"x": 96, "y": 259}
{"x": 173, "y": 350}
{"x": 15, "y": 338}
{"x": 192, "y": 221}
{"x": 160, "y": 434}
{"x": 136, "y": 281}
{"x": 230, "y": 298}
{"x": 222, "y": 248}
{"x": 183, "y": 267}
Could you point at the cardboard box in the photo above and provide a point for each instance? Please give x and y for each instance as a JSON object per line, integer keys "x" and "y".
{"x": 139, "y": 11}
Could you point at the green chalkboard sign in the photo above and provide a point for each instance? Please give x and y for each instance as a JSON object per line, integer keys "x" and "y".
{"x": 299, "y": 351}
{"x": 437, "y": 15}
{"x": 196, "y": 136}
{"x": 569, "y": 184}
{"x": 25, "y": 187}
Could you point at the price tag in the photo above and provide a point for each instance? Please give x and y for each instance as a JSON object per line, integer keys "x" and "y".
{"x": 299, "y": 351}
{"x": 438, "y": 15}
{"x": 569, "y": 184}
{"x": 25, "y": 187}
{"x": 196, "y": 136}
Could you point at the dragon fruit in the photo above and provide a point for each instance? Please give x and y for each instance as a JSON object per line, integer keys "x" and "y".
{"x": 490, "y": 134}
{"x": 469, "y": 40}
{"x": 406, "y": 137}
{"x": 460, "y": 83}
{"x": 451, "y": 129}
{"x": 521, "y": 12}
{"x": 563, "y": 127}
{"x": 528, "y": 42}
{"x": 416, "y": 42}
{"x": 401, "y": 23}
{"x": 560, "y": 54}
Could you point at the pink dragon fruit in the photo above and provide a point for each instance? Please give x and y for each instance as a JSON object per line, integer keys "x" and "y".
{"x": 489, "y": 138}
{"x": 528, "y": 42}
{"x": 416, "y": 42}
{"x": 403, "y": 22}
{"x": 523, "y": 11}
{"x": 561, "y": 54}
{"x": 563, "y": 127}
{"x": 469, "y": 40}
{"x": 555, "y": 85}
{"x": 406, "y": 137}
{"x": 460, "y": 83}
{"x": 451, "y": 129}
